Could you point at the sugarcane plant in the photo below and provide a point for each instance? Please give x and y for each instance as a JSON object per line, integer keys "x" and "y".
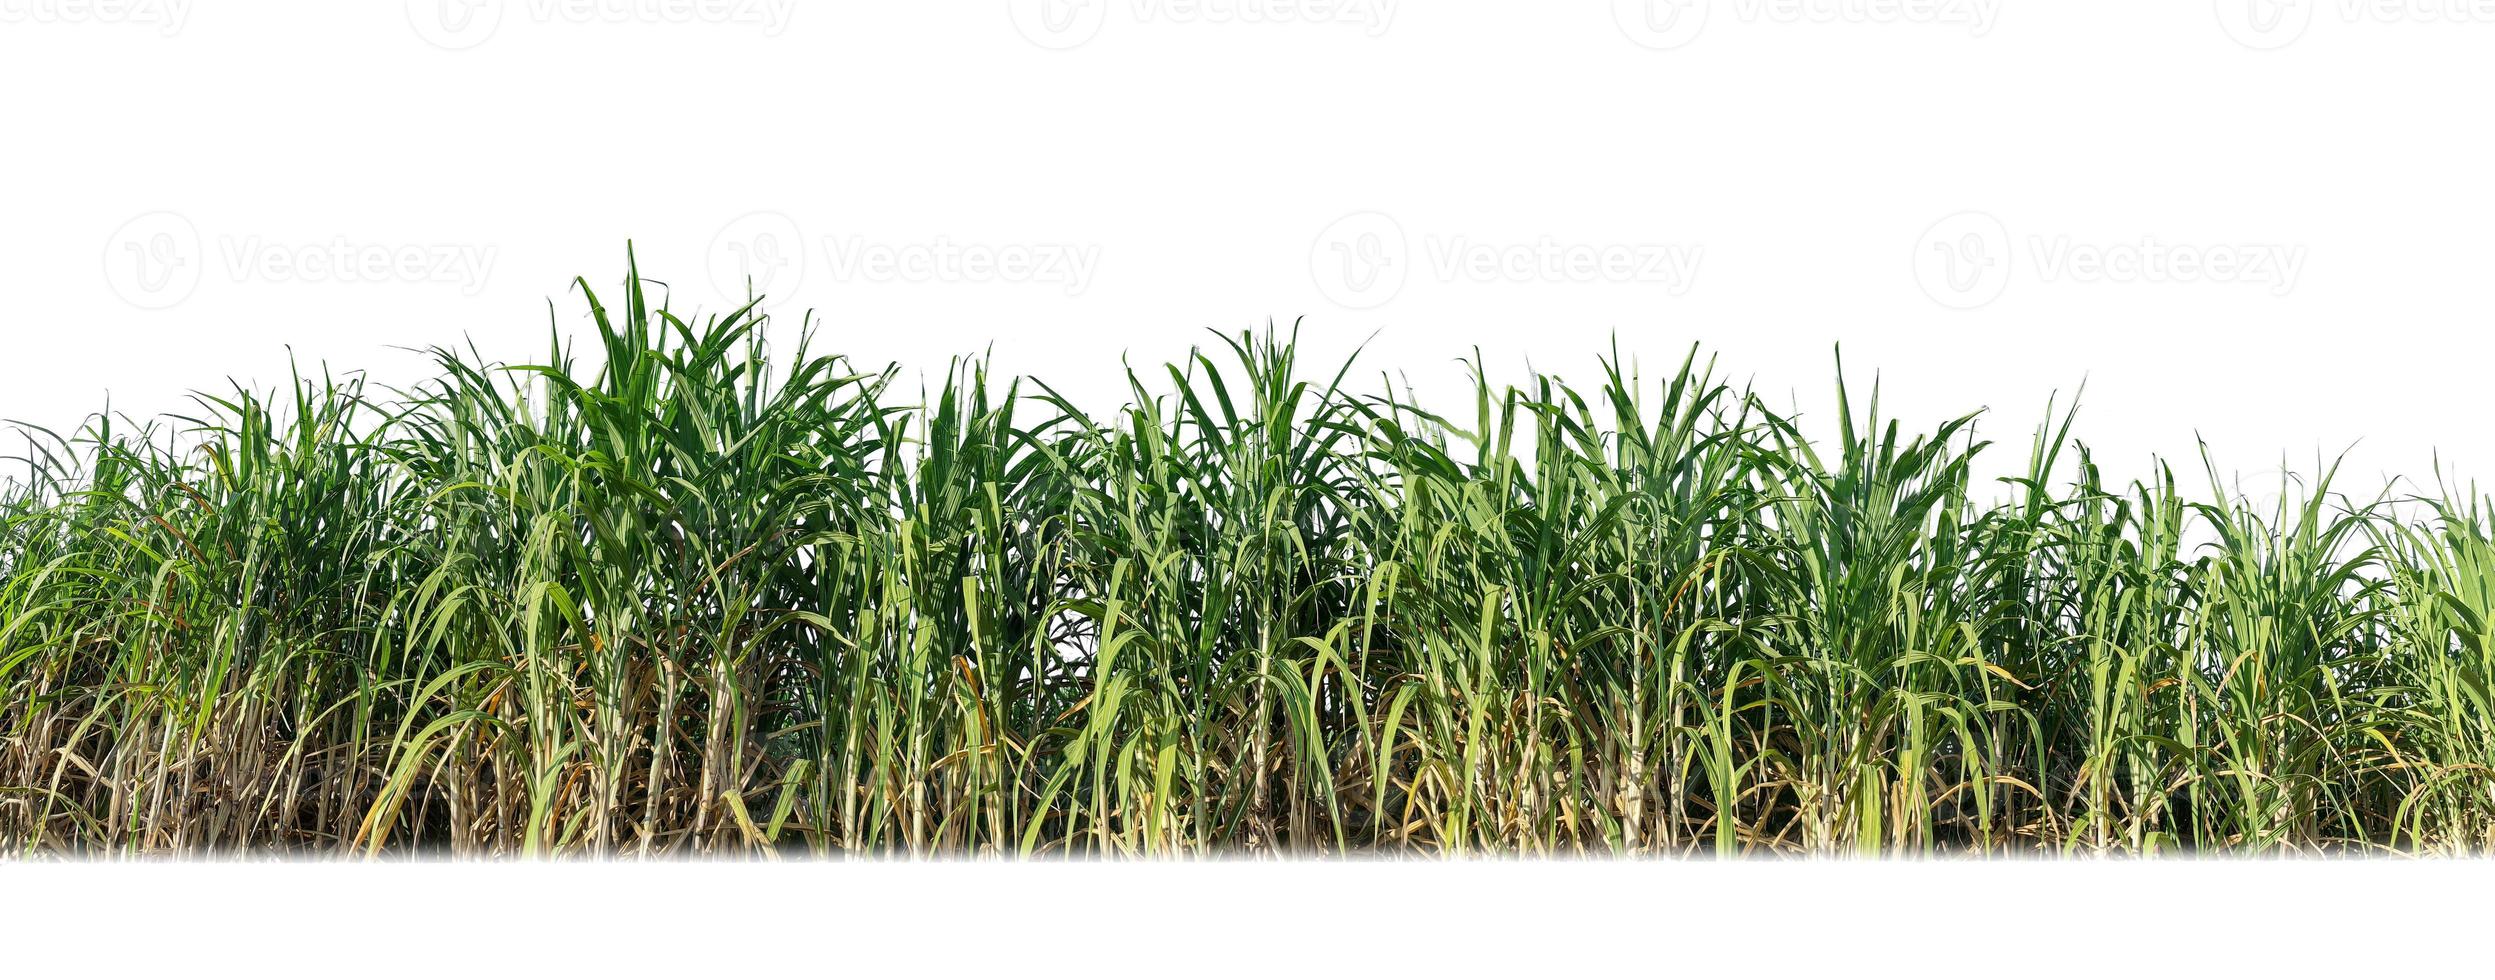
{"x": 680, "y": 593}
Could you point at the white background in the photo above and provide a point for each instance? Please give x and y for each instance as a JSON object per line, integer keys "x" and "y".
{"x": 169, "y": 167}
{"x": 1200, "y": 154}
{"x": 1506, "y": 921}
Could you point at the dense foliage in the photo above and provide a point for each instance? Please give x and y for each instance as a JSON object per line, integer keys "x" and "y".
{"x": 699, "y": 598}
